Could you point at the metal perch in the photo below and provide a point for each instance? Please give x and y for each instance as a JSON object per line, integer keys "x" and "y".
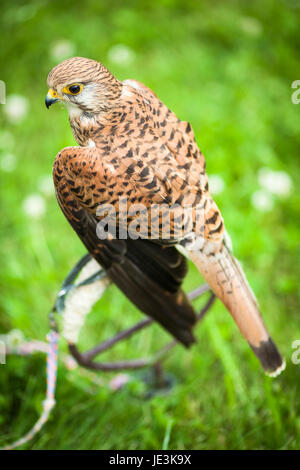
{"x": 86, "y": 359}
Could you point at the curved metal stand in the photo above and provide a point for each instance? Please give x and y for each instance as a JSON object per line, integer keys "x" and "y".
{"x": 86, "y": 359}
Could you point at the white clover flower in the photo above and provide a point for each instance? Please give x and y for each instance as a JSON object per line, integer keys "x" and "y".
{"x": 251, "y": 25}
{"x": 121, "y": 54}
{"x": 16, "y": 108}
{"x": 34, "y": 206}
{"x": 8, "y": 162}
{"x": 45, "y": 185}
{"x": 262, "y": 200}
{"x": 15, "y": 338}
{"x": 216, "y": 184}
{"x": 276, "y": 182}
{"x": 62, "y": 49}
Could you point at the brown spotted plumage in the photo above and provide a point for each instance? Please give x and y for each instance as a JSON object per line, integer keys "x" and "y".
{"x": 133, "y": 148}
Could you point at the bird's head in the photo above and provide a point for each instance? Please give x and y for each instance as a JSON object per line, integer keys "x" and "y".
{"x": 85, "y": 86}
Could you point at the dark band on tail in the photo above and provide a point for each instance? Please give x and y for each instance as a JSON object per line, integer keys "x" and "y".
{"x": 269, "y": 357}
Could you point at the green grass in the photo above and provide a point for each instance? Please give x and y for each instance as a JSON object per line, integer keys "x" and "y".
{"x": 227, "y": 67}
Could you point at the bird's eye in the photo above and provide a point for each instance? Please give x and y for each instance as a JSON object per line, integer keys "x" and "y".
{"x": 73, "y": 89}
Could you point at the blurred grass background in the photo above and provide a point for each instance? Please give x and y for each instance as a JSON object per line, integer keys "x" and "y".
{"x": 227, "y": 67}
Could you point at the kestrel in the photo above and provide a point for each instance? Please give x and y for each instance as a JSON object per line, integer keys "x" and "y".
{"x": 132, "y": 148}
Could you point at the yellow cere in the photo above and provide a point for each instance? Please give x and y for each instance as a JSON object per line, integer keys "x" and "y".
{"x": 52, "y": 93}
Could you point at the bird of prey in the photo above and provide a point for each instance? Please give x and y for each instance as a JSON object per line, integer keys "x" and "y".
{"x": 133, "y": 148}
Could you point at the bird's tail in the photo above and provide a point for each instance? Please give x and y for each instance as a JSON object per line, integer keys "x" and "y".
{"x": 226, "y": 278}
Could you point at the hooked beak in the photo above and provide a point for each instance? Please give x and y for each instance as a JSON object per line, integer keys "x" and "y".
{"x": 51, "y": 98}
